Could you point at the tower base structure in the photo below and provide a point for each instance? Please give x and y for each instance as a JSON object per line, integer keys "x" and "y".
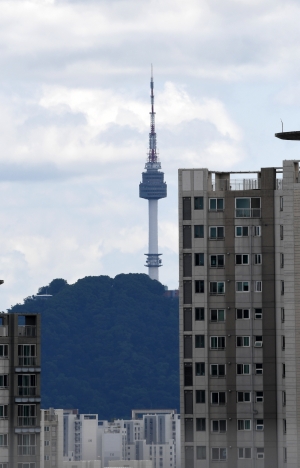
{"x": 153, "y": 262}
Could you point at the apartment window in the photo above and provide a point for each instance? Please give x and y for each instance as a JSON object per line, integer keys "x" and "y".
{"x": 3, "y": 351}
{"x": 3, "y": 465}
{"x": 217, "y": 315}
{"x": 242, "y": 286}
{"x": 201, "y": 452}
{"x": 242, "y": 259}
{"x": 216, "y": 232}
{"x": 260, "y": 453}
{"x": 282, "y": 288}
{"x": 27, "y": 355}
{"x": 243, "y": 397}
{"x": 283, "y": 342}
{"x": 47, "y": 428}
{"x": 281, "y": 260}
{"x": 26, "y": 385}
{"x": 216, "y": 204}
{"x": 257, "y": 259}
{"x": 27, "y": 444}
{"x": 198, "y": 231}
{"x": 199, "y": 313}
{"x": 281, "y": 203}
{"x": 200, "y": 396}
{"x": 241, "y": 231}
{"x": 258, "y": 341}
{"x": 47, "y": 442}
{"x": 217, "y": 370}
{"x": 244, "y": 452}
{"x": 219, "y": 454}
{"x": 282, "y": 315}
{"x": 257, "y": 231}
{"x": 187, "y": 319}
{"x": 259, "y": 424}
{"x": 284, "y": 426}
{"x": 258, "y": 286}
{"x": 243, "y": 369}
{"x": 283, "y": 398}
{"x": 284, "y": 454}
{"x": 200, "y": 424}
{"x": 3, "y": 411}
{"x": 188, "y": 374}
{"x": 3, "y": 440}
{"x": 258, "y": 369}
{"x": 244, "y": 424}
{"x": 242, "y": 314}
{"x": 247, "y": 207}
{"x": 217, "y": 342}
{"x": 259, "y": 397}
{"x": 188, "y": 402}
{"x": 243, "y": 341}
{"x": 281, "y": 231}
{"x": 217, "y": 261}
{"x": 218, "y": 398}
{"x": 283, "y": 371}
{"x": 187, "y": 292}
{"x": 258, "y": 314}
{"x": 199, "y": 259}
{"x": 187, "y": 264}
{"x": 3, "y": 380}
{"x": 199, "y": 286}
{"x": 187, "y": 237}
{"x": 188, "y": 347}
{"x": 218, "y": 425}
{"x": 217, "y": 287}
{"x": 186, "y": 209}
{"x": 200, "y": 368}
{"x": 199, "y": 341}
{"x": 198, "y": 203}
{"x": 26, "y": 415}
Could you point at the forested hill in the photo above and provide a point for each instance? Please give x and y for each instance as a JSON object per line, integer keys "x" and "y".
{"x": 108, "y": 345}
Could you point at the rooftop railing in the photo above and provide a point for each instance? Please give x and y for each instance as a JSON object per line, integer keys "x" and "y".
{"x": 27, "y": 330}
{"x": 236, "y": 184}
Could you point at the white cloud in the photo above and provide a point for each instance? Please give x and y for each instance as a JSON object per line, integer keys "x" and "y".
{"x": 74, "y": 121}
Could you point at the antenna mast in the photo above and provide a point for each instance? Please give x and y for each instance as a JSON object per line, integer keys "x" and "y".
{"x": 152, "y": 154}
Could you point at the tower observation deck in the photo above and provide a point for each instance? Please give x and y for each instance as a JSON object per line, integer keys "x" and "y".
{"x": 152, "y": 188}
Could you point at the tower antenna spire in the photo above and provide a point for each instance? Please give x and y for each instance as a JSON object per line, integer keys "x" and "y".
{"x": 152, "y": 153}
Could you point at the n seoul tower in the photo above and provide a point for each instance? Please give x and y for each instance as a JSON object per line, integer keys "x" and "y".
{"x": 152, "y": 188}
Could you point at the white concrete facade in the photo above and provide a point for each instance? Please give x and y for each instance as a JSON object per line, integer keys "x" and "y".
{"x": 152, "y": 436}
{"x": 131, "y": 464}
{"x": 51, "y": 438}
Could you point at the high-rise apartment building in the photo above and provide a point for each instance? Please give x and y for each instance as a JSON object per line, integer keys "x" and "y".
{"x": 20, "y": 369}
{"x": 240, "y": 317}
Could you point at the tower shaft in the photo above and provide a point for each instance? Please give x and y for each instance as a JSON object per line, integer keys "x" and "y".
{"x": 153, "y": 238}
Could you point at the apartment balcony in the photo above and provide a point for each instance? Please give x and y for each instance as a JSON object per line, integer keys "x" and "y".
{"x": 27, "y": 391}
{"x": 27, "y": 361}
{"x": 248, "y": 213}
{"x": 27, "y": 330}
{"x": 26, "y": 450}
{"x": 26, "y": 421}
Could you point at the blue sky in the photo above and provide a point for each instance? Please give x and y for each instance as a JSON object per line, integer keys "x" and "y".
{"x": 74, "y": 122}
